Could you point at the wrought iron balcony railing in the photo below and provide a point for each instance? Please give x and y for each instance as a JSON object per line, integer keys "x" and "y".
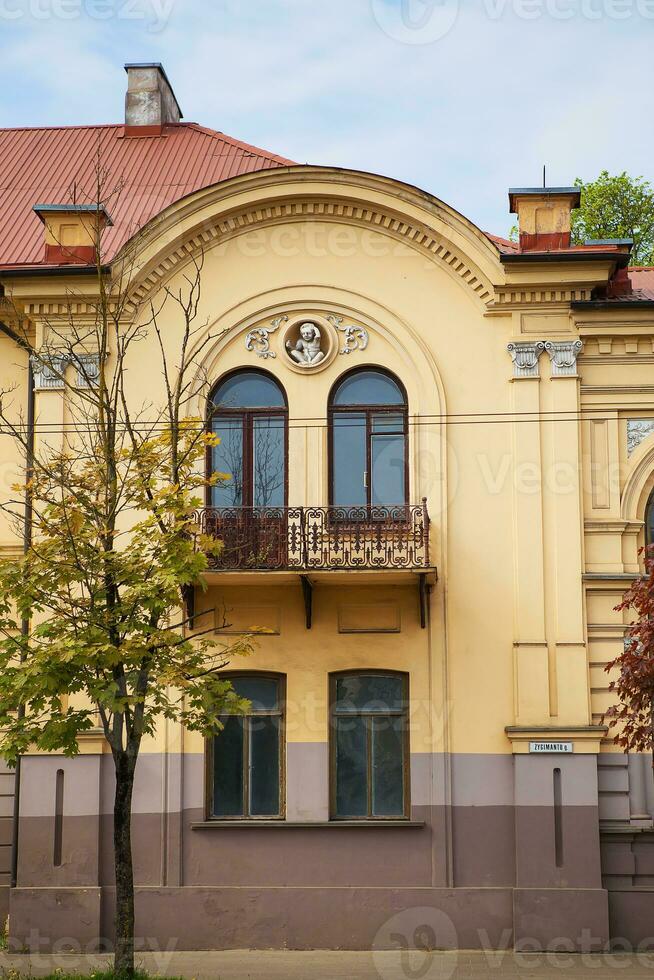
{"x": 318, "y": 538}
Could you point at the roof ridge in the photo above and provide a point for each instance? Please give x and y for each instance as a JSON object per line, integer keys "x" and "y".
{"x": 257, "y": 150}
{"x": 45, "y": 129}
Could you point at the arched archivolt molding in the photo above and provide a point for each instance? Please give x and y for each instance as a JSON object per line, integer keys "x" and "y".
{"x": 216, "y": 215}
{"x": 639, "y": 483}
{"x": 232, "y": 325}
{"x": 425, "y": 390}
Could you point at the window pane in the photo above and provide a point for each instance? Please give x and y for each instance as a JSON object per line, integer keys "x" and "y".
{"x": 248, "y": 390}
{"x": 368, "y": 388}
{"x": 386, "y": 422}
{"x": 264, "y": 766}
{"x": 228, "y": 459}
{"x": 387, "y": 766}
{"x": 261, "y": 691}
{"x": 349, "y": 459}
{"x": 369, "y": 692}
{"x": 228, "y": 769}
{"x": 351, "y": 767}
{"x": 387, "y": 460}
{"x": 269, "y": 459}
{"x": 649, "y": 530}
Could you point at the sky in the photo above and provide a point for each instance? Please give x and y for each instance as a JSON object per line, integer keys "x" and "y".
{"x": 463, "y": 98}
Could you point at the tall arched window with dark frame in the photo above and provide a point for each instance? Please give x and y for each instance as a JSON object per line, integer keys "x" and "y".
{"x": 368, "y": 421}
{"x": 249, "y": 414}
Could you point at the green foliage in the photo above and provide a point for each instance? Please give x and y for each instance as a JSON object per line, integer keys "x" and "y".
{"x": 113, "y": 548}
{"x": 617, "y": 206}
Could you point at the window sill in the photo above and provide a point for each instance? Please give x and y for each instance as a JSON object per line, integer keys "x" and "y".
{"x": 308, "y": 825}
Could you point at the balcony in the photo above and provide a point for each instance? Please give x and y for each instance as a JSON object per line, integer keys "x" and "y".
{"x": 310, "y": 541}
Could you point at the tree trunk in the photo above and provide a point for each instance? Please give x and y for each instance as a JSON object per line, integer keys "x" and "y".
{"x": 124, "y": 919}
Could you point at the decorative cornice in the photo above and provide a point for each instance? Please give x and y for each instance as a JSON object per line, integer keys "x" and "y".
{"x": 517, "y": 297}
{"x": 617, "y": 390}
{"x": 419, "y": 236}
{"x": 613, "y": 525}
{"x": 63, "y": 307}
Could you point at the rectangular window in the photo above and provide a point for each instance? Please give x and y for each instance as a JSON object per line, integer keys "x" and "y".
{"x": 247, "y": 757}
{"x": 369, "y": 746}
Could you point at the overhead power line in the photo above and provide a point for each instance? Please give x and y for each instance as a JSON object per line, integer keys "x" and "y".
{"x": 414, "y": 421}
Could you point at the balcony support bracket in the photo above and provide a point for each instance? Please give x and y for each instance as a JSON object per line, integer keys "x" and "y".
{"x": 307, "y": 593}
{"x": 423, "y": 592}
{"x": 188, "y": 592}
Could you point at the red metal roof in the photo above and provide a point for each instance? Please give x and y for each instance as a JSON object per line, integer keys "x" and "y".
{"x": 59, "y": 165}
{"x": 508, "y": 247}
{"x": 504, "y": 244}
{"x": 642, "y": 278}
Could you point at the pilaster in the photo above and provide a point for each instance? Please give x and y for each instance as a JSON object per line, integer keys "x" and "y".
{"x": 530, "y": 645}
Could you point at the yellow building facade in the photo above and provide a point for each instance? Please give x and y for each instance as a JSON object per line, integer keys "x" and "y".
{"x": 441, "y": 448}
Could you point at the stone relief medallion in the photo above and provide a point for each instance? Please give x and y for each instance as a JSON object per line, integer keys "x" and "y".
{"x": 308, "y": 349}
{"x": 306, "y": 342}
{"x": 309, "y": 343}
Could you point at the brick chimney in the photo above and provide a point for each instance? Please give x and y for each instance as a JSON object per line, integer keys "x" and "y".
{"x": 71, "y": 232}
{"x": 544, "y": 216}
{"x": 150, "y": 102}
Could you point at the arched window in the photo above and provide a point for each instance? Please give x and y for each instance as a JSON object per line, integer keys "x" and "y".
{"x": 248, "y": 412}
{"x": 649, "y": 521}
{"x": 368, "y": 426}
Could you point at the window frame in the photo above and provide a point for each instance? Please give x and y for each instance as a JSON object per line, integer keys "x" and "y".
{"x": 209, "y": 754}
{"x": 369, "y": 410}
{"x": 406, "y": 766}
{"x": 248, "y": 417}
{"x": 649, "y": 515}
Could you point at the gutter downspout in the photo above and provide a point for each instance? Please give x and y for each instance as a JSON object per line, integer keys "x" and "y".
{"x": 27, "y": 542}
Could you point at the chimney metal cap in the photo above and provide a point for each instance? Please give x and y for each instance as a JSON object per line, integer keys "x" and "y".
{"x": 574, "y": 193}
{"x": 42, "y": 209}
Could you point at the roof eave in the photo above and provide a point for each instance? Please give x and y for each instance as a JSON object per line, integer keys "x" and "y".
{"x": 613, "y": 304}
{"x": 525, "y": 258}
{"x": 36, "y": 271}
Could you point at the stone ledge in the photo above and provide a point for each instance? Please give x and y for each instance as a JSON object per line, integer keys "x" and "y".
{"x": 586, "y": 739}
{"x": 306, "y": 825}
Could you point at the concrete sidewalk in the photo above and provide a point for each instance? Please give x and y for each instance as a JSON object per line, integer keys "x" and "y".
{"x": 276, "y": 965}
